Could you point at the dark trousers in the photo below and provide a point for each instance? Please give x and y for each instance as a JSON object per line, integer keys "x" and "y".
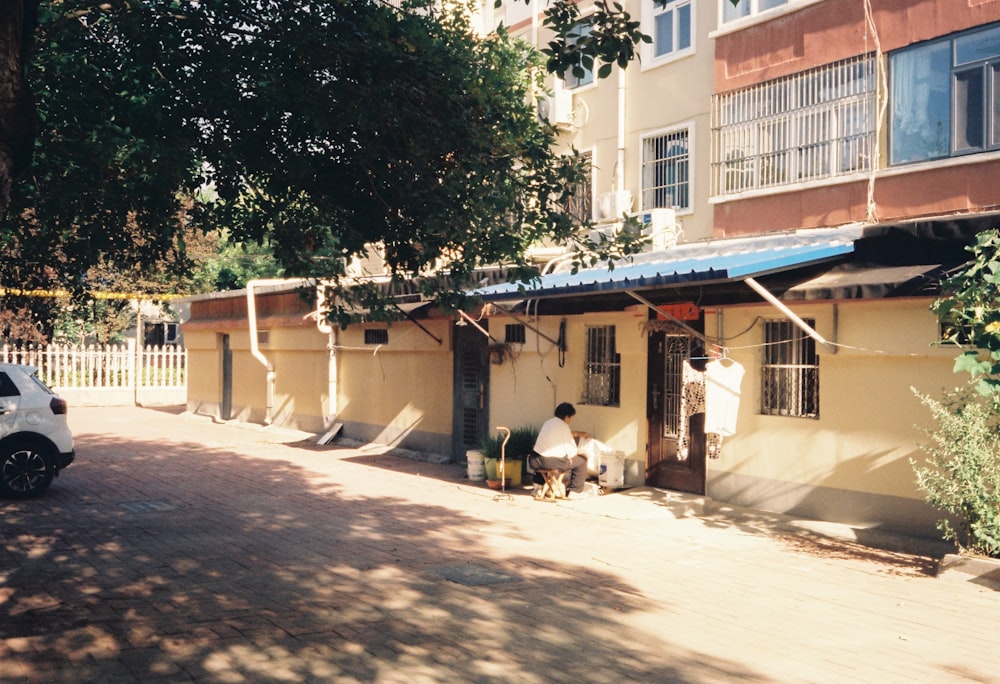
{"x": 577, "y": 464}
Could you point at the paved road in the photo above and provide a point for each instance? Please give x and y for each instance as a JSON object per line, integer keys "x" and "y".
{"x": 180, "y": 550}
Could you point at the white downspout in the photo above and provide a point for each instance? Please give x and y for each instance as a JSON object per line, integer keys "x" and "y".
{"x": 333, "y": 334}
{"x": 255, "y": 349}
{"x": 619, "y": 180}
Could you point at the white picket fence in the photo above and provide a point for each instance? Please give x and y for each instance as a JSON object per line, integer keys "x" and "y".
{"x": 106, "y": 374}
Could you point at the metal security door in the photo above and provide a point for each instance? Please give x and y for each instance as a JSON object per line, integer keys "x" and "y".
{"x": 676, "y": 458}
{"x": 226, "y": 402}
{"x": 472, "y": 377}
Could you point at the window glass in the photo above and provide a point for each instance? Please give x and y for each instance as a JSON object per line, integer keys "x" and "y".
{"x": 994, "y": 76}
{"x": 581, "y": 74}
{"x": 7, "y": 386}
{"x": 977, "y": 46}
{"x": 731, "y": 12}
{"x": 969, "y": 102}
{"x": 770, "y": 4}
{"x": 671, "y": 26}
{"x": 921, "y": 103}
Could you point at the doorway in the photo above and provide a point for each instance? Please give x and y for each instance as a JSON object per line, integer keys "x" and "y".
{"x": 470, "y": 423}
{"x": 676, "y": 452}
{"x": 226, "y": 401}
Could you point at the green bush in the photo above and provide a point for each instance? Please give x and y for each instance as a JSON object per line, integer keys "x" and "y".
{"x": 519, "y": 446}
{"x": 961, "y": 475}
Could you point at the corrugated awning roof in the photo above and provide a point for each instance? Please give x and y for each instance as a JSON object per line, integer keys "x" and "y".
{"x": 691, "y": 263}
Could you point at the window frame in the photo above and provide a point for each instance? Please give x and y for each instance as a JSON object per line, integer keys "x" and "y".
{"x": 651, "y": 11}
{"x": 581, "y": 205}
{"x": 688, "y": 129}
{"x": 985, "y": 96}
{"x": 601, "y": 368}
{"x": 789, "y": 370}
{"x": 577, "y": 83}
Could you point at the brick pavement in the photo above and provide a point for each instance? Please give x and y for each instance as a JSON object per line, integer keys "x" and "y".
{"x": 180, "y": 550}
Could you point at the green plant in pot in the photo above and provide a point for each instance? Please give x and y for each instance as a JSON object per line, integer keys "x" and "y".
{"x": 516, "y": 453}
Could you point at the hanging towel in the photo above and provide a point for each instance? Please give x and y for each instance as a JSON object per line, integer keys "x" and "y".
{"x": 722, "y": 396}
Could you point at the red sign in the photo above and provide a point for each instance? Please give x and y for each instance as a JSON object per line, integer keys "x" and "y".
{"x": 683, "y": 311}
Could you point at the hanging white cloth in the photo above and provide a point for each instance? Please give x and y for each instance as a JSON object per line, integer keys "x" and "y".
{"x": 692, "y": 402}
{"x": 722, "y": 396}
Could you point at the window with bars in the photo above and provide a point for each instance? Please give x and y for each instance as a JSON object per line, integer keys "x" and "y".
{"x": 580, "y": 205}
{"x": 514, "y": 333}
{"x": 808, "y": 126}
{"x": 376, "y": 336}
{"x": 665, "y": 163}
{"x": 602, "y": 368}
{"x": 789, "y": 371}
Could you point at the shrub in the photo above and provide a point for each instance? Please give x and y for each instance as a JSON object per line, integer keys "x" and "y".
{"x": 519, "y": 446}
{"x": 961, "y": 475}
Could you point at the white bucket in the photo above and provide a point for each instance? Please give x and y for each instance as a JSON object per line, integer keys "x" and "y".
{"x": 611, "y": 470}
{"x": 476, "y": 465}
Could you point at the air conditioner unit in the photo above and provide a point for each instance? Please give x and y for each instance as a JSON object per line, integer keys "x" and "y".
{"x": 608, "y": 231}
{"x": 661, "y": 226}
{"x": 557, "y": 108}
{"x": 611, "y": 205}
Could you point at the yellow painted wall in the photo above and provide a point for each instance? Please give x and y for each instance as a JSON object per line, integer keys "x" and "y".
{"x": 527, "y": 391}
{"x": 405, "y": 385}
{"x": 867, "y": 427}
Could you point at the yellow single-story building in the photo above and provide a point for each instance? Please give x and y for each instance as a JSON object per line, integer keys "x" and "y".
{"x": 774, "y": 371}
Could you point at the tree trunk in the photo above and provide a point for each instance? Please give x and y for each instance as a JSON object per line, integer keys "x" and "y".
{"x": 17, "y": 110}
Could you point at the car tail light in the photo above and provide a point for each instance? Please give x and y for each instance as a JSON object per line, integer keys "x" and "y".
{"x": 58, "y": 406}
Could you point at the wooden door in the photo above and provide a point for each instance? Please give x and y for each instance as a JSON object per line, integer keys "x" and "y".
{"x": 676, "y": 451}
{"x": 226, "y": 363}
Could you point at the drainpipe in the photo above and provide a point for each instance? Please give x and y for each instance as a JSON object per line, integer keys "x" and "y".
{"x": 255, "y": 349}
{"x": 619, "y": 180}
{"x": 333, "y": 335}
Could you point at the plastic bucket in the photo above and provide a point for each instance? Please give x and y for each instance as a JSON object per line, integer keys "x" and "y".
{"x": 475, "y": 465}
{"x": 611, "y": 469}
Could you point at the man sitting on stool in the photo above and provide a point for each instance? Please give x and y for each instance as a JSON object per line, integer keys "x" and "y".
{"x": 555, "y": 449}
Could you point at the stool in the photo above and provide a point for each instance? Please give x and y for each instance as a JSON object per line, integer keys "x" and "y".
{"x": 554, "y": 486}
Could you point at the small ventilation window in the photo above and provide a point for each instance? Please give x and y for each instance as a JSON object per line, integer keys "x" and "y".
{"x": 376, "y": 336}
{"x": 514, "y": 334}
{"x": 263, "y": 337}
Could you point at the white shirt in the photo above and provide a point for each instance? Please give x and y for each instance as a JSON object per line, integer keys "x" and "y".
{"x": 555, "y": 439}
{"x": 722, "y": 396}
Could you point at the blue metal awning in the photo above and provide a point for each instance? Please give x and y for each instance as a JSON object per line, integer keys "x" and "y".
{"x": 704, "y": 262}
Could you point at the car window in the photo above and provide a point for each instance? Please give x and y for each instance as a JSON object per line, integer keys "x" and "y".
{"x": 41, "y": 384}
{"x": 7, "y": 386}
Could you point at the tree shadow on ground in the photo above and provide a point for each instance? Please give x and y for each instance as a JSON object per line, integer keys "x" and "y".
{"x": 179, "y": 561}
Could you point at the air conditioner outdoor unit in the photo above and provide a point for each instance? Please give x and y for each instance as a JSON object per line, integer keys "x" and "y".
{"x": 661, "y": 226}
{"x": 611, "y": 205}
{"x": 557, "y": 108}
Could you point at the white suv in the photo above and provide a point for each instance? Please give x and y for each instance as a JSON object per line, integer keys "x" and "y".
{"x": 35, "y": 441}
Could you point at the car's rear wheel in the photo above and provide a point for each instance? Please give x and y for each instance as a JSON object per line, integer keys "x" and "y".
{"x": 24, "y": 470}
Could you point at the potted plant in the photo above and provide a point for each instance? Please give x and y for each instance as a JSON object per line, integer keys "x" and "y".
{"x": 516, "y": 453}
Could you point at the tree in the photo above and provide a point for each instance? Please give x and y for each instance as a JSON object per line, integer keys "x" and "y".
{"x": 323, "y": 127}
{"x": 969, "y": 308}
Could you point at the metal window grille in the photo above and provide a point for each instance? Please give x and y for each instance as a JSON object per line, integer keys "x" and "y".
{"x": 580, "y": 204}
{"x": 376, "y": 336}
{"x": 665, "y": 175}
{"x": 677, "y": 350}
{"x": 789, "y": 372}
{"x": 808, "y": 126}
{"x": 514, "y": 333}
{"x": 602, "y": 368}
